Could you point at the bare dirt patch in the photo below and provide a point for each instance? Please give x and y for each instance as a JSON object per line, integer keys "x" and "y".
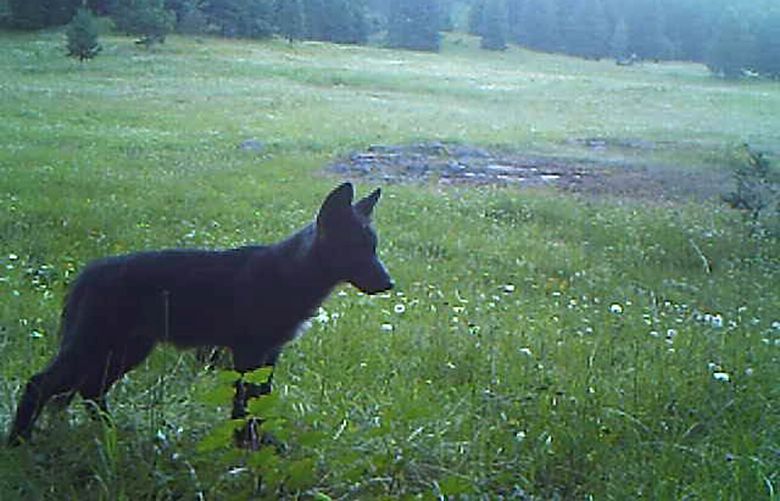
{"x": 453, "y": 164}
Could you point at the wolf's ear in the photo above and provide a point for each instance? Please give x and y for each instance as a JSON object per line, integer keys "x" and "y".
{"x": 365, "y": 206}
{"x": 338, "y": 200}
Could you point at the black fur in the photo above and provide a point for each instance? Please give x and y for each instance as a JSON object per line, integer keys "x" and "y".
{"x": 252, "y": 300}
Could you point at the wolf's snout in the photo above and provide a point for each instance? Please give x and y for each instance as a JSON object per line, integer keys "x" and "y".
{"x": 375, "y": 280}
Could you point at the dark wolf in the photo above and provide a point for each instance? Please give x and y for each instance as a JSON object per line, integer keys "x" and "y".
{"x": 251, "y": 300}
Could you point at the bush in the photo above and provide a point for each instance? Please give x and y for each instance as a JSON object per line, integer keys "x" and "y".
{"x": 82, "y": 36}
{"x": 147, "y": 19}
{"x": 756, "y": 194}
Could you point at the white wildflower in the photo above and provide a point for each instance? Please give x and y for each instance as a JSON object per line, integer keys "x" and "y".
{"x": 616, "y": 308}
{"x": 387, "y": 327}
{"x": 721, "y": 376}
{"x": 322, "y": 316}
{"x": 399, "y": 308}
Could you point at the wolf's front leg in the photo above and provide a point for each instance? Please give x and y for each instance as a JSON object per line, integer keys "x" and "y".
{"x": 246, "y": 390}
{"x": 250, "y": 436}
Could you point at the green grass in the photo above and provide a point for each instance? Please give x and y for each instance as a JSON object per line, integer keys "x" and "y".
{"x": 497, "y": 367}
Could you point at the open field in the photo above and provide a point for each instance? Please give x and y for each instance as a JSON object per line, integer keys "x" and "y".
{"x": 538, "y": 345}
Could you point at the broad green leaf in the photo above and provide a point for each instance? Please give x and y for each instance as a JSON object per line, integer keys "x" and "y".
{"x": 259, "y": 376}
{"x": 310, "y": 438}
{"x": 301, "y": 474}
{"x": 221, "y": 395}
{"x": 263, "y": 406}
{"x": 264, "y": 460}
{"x": 221, "y": 436}
{"x": 227, "y": 376}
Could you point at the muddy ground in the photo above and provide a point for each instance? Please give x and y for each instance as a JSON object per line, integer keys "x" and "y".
{"x": 448, "y": 163}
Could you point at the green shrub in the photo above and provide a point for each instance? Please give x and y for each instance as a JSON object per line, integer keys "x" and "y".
{"x": 82, "y": 36}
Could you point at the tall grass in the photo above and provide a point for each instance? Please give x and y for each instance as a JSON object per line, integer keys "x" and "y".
{"x": 538, "y": 344}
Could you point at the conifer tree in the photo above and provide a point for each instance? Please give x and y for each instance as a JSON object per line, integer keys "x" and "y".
{"x": 731, "y": 45}
{"x": 540, "y": 26}
{"x": 414, "y": 24}
{"x": 493, "y": 30}
{"x": 618, "y": 43}
{"x": 36, "y": 14}
{"x": 82, "y": 36}
{"x": 586, "y": 29}
{"x": 767, "y": 46}
{"x": 476, "y": 17}
{"x": 148, "y": 19}
{"x": 647, "y": 30}
{"x": 289, "y": 19}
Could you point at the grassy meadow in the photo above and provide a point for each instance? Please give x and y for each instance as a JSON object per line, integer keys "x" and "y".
{"x": 538, "y": 345}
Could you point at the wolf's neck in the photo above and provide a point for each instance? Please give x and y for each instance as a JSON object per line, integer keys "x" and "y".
{"x": 303, "y": 267}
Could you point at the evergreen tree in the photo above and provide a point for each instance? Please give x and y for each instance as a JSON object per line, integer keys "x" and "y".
{"x": 647, "y": 35}
{"x": 36, "y": 14}
{"x": 688, "y": 27}
{"x": 540, "y": 30}
{"x": 82, "y": 36}
{"x": 241, "y": 18}
{"x": 190, "y": 19}
{"x": 493, "y": 28}
{"x": 730, "y": 49}
{"x": 767, "y": 46}
{"x": 618, "y": 43}
{"x": 587, "y": 29}
{"x": 414, "y": 24}
{"x": 476, "y": 17}
{"x": 514, "y": 21}
{"x": 313, "y": 11}
{"x": 339, "y": 21}
{"x": 289, "y": 19}
{"x": 147, "y": 19}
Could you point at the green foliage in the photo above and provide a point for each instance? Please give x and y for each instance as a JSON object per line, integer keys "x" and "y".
{"x": 618, "y": 44}
{"x": 242, "y": 18}
{"x": 36, "y": 14}
{"x": 476, "y": 16}
{"x": 586, "y": 29}
{"x": 539, "y": 28}
{"x": 190, "y": 19}
{"x": 729, "y": 51}
{"x": 339, "y": 21}
{"x": 147, "y": 19}
{"x": 767, "y": 46}
{"x": 82, "y": 36}
{"x": 414, "y": 24}
{"x": 757, "y": 191}
{"x": 493, "y": 26}
{"x": 289, "y": 15}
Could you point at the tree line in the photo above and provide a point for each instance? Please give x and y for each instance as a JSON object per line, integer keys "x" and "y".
{"x": 733, "y": 37}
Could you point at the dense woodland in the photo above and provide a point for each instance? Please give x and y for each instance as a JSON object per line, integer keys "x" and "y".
{"x": 735, "y": 38}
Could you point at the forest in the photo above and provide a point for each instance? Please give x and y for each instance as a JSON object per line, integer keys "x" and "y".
{"x": 734, "y": 38}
